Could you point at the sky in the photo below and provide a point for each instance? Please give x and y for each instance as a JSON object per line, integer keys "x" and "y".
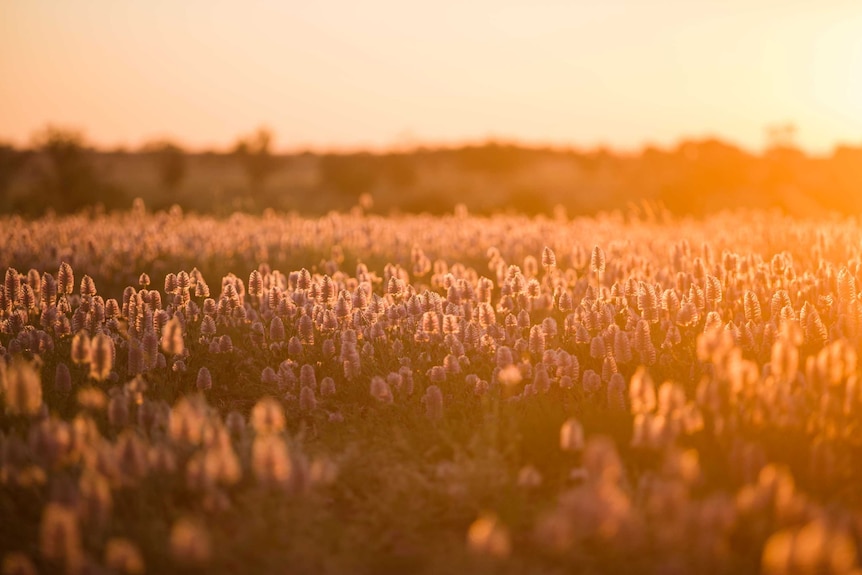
{"x": 382, "y": 74}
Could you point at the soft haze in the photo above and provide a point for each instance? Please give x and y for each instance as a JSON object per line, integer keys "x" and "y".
{"x": 383, "y": 73}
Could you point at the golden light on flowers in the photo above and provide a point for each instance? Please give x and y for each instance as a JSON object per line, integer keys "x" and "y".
{"x": 267, "y": 417}
{"x": 814, "y": 548}
{"x": 101, "y": 356}
{"x": 272, "y": 463}
{"x": 204, "y": 380}
{"x": 597, "y": 260}
{"x": 23, "y": 388}
{"x": 488, "y": 536}
{"x": 60, "y": 538}
{"x": 123, "y": 556}
{"x": 572, "y": 435}
{"x": 380, "y": 390}
{"x": 708, "y": 375}
{"x": 17, "y": 563}
{"x": 510, "y": 376}
{"x": 433, "y": 400}
{"x": 529, "y": 477}
{"x": 190, "y": 543}
{"x": 172, "y": 337}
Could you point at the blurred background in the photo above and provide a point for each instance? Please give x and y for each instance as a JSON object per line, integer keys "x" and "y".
{"x": 409, "y": 107}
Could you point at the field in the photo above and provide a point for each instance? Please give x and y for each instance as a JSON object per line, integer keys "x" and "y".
{"x": 430, "y": 394}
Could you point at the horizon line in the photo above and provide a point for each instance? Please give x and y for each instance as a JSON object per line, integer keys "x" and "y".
{"x": 413, "y": 144}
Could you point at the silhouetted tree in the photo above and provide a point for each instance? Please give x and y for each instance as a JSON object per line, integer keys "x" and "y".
{"x": 171, "y": 161}
{"x": 11, "y": 160}
{"x": 70, "y": 183}
{"x": 256, "y": 157}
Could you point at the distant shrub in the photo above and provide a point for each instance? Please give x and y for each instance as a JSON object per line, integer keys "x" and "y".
{"x": 349, "y": 175}
{"x": 254, "y": 152}
{"x": 11, "y": 161}
{"x": 170, "y": 160}
{"x": 398, "y": 170}
{"x": 68, "y": 181}
{"x": 491, "y": 157}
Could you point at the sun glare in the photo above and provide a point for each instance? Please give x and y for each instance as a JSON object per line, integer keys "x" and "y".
{"x": 370, "y": 287}
{"x": 833, "y": 69}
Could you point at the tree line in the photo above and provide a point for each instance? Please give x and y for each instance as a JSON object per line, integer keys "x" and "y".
{"x": 61, "y": 172}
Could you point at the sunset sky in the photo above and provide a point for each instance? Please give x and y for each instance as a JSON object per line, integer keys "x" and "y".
{"x": 382, "y": 73}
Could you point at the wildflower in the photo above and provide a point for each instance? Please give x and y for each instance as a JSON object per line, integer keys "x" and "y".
{"x": 597, "y": 260}
{"x": 48, "y": 291}
{"x": 597, "y": 347}
{"x": 204, "y": 381}
{"x": 433, "y": 400}
{"x": 406, "y": 379}
{"x": 601, "y": 461}
{"x": 65, "y": 279}
{"x": 271, "y": 462}
{"x": 751, "y": 307}
{"x": 267, "y": 417}
{"x": 172, "y": 337}
{"x": 131, "y": 456}
{"x": 255, "y": 284}
{"x": 509, "y": 376}
{"x": 276, "y": 329}
{"x": 118, "y": 410}
{"x": 549, "y": 259}
{"x": 91, "y": 398}
{"x": 488, "y": 536}
{"x": 541, "y": 380}
{"x": 307, "y": 377}
{"x": 81, "y": 348}
{"x": 225, "y": 344}
{"x": 101, "y": 356}
{"x": 307, "y": 401}
{"x": 572, "y": 435}
{"x": 171, "y": 285}
{"x": 123, "y": 556}
{"x": 62, "y": 378}
{"x": 327, "y": 387}
{"x": 529, "y": 477}
{"x": 642, "y": 392}
{"x": 187, "y": 419}
{"x": 88, "y": 286}
{"x": 23, "y": 388}
{"x": 60, "y": 537}
{"x": 380, "y": 390}
{"x": 537, "y": 340}
{"x": 323, "y": 471}
{"x": 617, "y": 393}
{"x": 437, "y": 374}
{"x": 190, "y": 543}
{"x": 17, "y": 563}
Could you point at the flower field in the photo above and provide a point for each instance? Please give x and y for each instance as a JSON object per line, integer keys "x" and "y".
{"x": 418, "y": 394}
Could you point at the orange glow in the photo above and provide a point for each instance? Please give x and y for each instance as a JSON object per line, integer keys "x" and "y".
{"x": 382, "y": 73}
